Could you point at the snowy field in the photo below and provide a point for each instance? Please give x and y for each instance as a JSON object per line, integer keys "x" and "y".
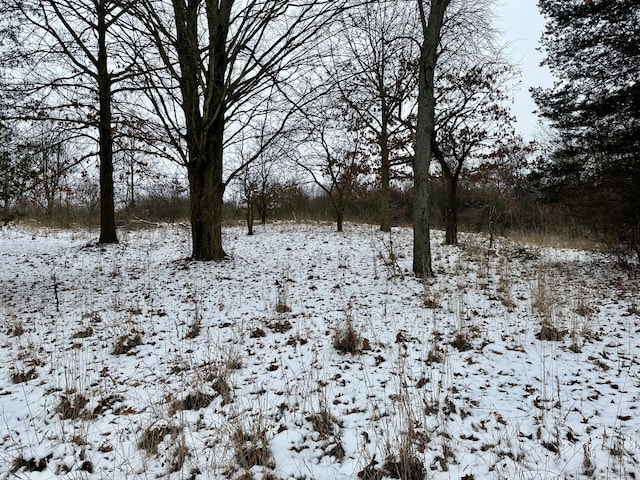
{"x": 314, "y": 355}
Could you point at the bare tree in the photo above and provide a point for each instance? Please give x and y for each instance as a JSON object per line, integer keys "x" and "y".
{"x": 473, "y": 122}
{"x": 224, "y": 58}
{"x": 333, "y": 154}
{"x": 71, "y": 72}
{"x": 374, "y": 67}
{"x": 16, "y": 172}
{"x": 54, "y": 157}
{"x": 425, "y": 132}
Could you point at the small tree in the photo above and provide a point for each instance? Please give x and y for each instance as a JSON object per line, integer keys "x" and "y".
{"x": 473, "y": 123}
{"x": 54, "y": 157}
{"x": 248, "y": 190}
{"x": 16, "y": 171}
{"x": 78, "y": 47}
{"x": 333, "y": 155}
{"x": 373, "y": 65}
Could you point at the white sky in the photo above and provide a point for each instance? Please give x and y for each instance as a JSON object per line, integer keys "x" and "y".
{"x": 522, "y": 25}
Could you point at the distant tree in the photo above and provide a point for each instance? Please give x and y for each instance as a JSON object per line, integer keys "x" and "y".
{"x": 473, "y": 123}
{"x": 16, "y": 171}
{"x": 374, "y": 66}
{"x": 593, "y": 49}
{"x": 502, "y": 189}
{"x": 248, "y": 188}
{"x": 333, "y": 154}
{"x": 261, "y": 186}
{"x": 431, "y": 22}
{"x": 11, "y": 173}
{"x": 54, "y": 159}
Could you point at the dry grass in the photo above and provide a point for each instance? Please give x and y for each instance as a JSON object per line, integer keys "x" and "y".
{"x": 73, "y": 407}
{"x": 154, "y": 435}
{"x": 251, "y": 449}
{"x": 556, "y": 240}
{"x": 193, "y": 401}
{"x": 125, "y": 343}
{"x": 346, "y": 339}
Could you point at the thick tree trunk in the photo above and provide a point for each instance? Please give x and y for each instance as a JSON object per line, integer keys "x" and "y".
{"x": 204, "y": 128}
{"x": 206, "y": 191}
{"x": 425, "y": 130}
{"x": 107, "y": 204}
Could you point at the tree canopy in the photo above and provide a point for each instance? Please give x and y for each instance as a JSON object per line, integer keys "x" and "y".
{"x": 593, "y": 48}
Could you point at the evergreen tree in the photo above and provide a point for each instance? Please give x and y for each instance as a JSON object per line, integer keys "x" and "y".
{"x": 593, "y": 48}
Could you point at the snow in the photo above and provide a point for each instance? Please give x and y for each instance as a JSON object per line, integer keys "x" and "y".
{"x": 130, "y": 361}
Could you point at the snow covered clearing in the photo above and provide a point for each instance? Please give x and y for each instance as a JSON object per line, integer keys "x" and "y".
{"x": 314, "y": 355}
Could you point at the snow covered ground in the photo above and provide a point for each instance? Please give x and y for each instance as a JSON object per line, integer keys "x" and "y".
{"x": 131, "y": 362}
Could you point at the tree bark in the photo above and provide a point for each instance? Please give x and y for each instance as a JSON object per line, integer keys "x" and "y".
{"x": 206, "y": 191}
{"x": 425, "y": 131}
{"x": 262, "y": 207}
{"x": 107, "y": 204}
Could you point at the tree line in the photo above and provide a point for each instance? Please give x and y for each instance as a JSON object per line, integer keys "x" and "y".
{"x": 234, "y": 92}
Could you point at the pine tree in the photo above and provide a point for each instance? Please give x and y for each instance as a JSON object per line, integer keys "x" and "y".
{"x": 593, "y": 48}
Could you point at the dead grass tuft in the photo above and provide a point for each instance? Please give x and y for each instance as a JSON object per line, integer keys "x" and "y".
{"x": 31, "y": 464}
{"x": 23, "y": 376}
{"x": 323, "y": 423}
{"x": 280, "y": 325}
{"x": 86, "y": 333}
{"x": 194, "y": 329}
{"x": 152, "y": 437}
{"x": 252, "y": 449}
{"x": 405, "y": 466}
{"x": 193, "y": 401}
{"x": 126, "y": 343}
{"x": 108, "y": 403}
{"x": 178, "y": 457}
{"x": 461, "y": 342}
{"x": 73, "y": 407}
{"x": 222, "y": 388}
{"x": 550, "y": 333}
{"x": 15, "y": 328}
{"x": 346, "y": 338}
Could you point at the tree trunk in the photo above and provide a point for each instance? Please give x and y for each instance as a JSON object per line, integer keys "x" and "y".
{"x": 107, "y": 203}
{"x": 451, "y": 213}
{"x": 339, "y": 218}
{"x": 204, "y": 129}
{"x": 425, "y": 130}
{"x": 250, "y": 217}
{"x": 262, "y": 208}
{"x": 132, "y": 193}
{"x": 206, "y": 190}
{"x": 385, "y": 211}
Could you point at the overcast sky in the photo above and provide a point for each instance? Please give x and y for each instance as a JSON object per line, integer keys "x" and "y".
{"x": 522, "y": 26}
